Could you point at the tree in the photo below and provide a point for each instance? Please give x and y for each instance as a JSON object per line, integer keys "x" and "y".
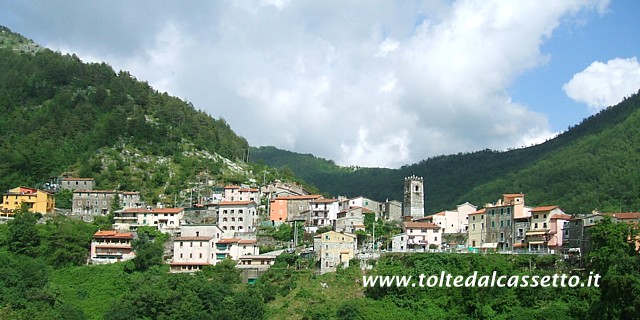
{"x": 23, "y": 236}
{"x": 148, "y": 252}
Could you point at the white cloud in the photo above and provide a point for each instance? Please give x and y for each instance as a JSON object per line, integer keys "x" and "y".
{"x": 605, "y": 84}
{"x": 369, "y": 83}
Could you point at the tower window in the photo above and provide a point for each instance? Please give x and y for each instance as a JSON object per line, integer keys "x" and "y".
{"x": 417, "y": 188}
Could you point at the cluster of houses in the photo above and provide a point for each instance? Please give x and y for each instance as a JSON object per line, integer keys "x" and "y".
{"x": 226, "y": 226}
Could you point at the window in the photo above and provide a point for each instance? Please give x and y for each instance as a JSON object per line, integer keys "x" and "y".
{"x": 201, "y": 256}
{"x": 435, "y": 239}
{"x": 181, "y": 244}
{"x": 535, "y": 225}
{"x": 493, "y": 224}
{"x": 544, "y": 225}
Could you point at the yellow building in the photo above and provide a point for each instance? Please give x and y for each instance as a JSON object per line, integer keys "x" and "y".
{"x": 37, "y": 200}
{"x": 334, "y": 249}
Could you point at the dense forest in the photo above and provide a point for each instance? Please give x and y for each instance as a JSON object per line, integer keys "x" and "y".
{"x": 590, "y": 166}
{"x": 43, "y": 276}
{"x": 62, "y": 115}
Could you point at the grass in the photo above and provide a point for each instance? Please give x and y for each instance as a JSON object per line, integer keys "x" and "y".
{"x": 90, "y": 288}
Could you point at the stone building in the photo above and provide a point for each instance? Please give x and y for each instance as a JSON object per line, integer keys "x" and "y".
{"x": 413, "y": 205}
{"x": 334, "y": 249}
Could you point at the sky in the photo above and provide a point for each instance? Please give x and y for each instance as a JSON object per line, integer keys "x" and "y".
{"x": 366, "y": 83}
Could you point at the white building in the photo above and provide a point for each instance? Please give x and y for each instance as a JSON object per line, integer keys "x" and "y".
{"x": 324, "y": 212}
{"x": 417, "y": 237}
{"x": 109, "y": 246}
{"x": 237, "y": 216}
{"x": 452, "y": 221}
{"x": 203, "y": 245}
{"x": 167, "y": 220}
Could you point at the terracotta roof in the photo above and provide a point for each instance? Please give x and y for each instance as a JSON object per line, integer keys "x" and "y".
{"x": 427, "y": 218}
{"x": 248, "y": 190}
{"x": 231, "y": 187}
{"x": 483, "y": 210}
{"x": 187, "y": 238}
{"x": 359, "y": 226}
{"x": 561, "y": 216}
{"x": 304, "y": 197}
{"x": 112, "y": 234}
{"x": 441, "y": 213}
{"x": 228, "y": 240}
{"x": 627, "y": 215}
{"x": 544, "y": 208}
{"x": 513, "y": 195}
{"x": 235, "y": 203}
{"x": 247, "y": 241}
{"x": 421, "y": 225}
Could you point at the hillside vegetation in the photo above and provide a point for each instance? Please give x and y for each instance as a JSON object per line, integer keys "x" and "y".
{"x": 590, "y": 166}
{"x": 62, "y": 115}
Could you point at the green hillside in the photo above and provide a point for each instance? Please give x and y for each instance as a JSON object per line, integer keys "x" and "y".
{"x": 62, "y": 115}
{"x": 591, "y": 165}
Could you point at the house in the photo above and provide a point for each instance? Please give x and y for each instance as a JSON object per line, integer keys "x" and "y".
{"x": 167, "y": 220}
{"x": 91, "y": 203}
{"x": 234, "y": 248}
{"x": 201, "y": 245}
{"x": 452, "y": 221}
{"x": 235, "y": 193}
{"x": 195, "y": 248}
{"x": 352, "y": 219}
{"x": 277, "y": 188}
{"x": 77, "y": 183}
{"x": 499, "y": 222}
{"x": 286, "y": 208}
{"x": 361, "y": 202}
{"x": 579, "y": 232}
{"x": 237, "y": 216}
{"x": 392, "y": 210}
{"x": 334, "y": 249}
{"x": 110, "y": 246}
{"x": 476, "y": 232}
{"x": 417, "y": 237}
{"x": 323, "y": 212}
{"x": 521, "y": 226}
{"x": 540, "y": 235}
{"x": 556, "y": 231}
{"x": 37, "y": 201}
{"x": 253, "y": 266}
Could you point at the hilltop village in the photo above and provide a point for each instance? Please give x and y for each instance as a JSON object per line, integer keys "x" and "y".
{"x": 252, "y": 225}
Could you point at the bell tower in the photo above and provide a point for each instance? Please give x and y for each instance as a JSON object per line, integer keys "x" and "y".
{"x": 413, "y": 204}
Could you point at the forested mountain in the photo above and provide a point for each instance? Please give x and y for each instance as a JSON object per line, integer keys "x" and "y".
{"x": 59, "y": 115}
{"x": 593, "y": 165}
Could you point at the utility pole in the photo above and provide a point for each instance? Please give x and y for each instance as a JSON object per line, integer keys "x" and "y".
{"x": 374, "y": 233}
{"x": 295, "y": 234}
